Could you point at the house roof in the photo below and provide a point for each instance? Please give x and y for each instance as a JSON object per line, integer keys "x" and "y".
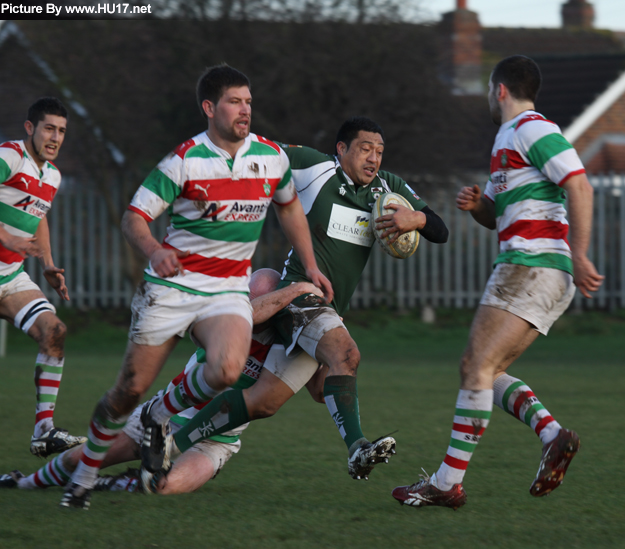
{"x": 600, "y": 105}
{"x": 577, "y": 65}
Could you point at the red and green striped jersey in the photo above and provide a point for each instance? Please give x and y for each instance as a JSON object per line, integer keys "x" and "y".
{"x": 217, "y": 205}
{"x": 259, "y": 349}
{"x": 26, "y": 194}
{"x": 530, "y": 162}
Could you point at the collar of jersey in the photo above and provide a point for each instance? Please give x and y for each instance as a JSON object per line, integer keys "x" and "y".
{"x": 242, "y": 150}
{"x": 516, "y": 119}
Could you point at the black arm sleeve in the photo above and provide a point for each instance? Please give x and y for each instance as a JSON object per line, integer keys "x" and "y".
{"x": 435, "y": 229}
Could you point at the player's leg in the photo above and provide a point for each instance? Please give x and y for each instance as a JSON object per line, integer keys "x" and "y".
{"x": 497, "y": 337}
{"x": 329, "y": 341}
{"x": 279, "y": 380}
{"x": 27, "y": 308}
{"x": 141, "y": 365}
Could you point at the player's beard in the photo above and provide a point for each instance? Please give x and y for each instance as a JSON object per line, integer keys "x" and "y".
{"x": 232, "y": 133}
{"x": 40, "y": 150}
{"x": 495, "y": 112}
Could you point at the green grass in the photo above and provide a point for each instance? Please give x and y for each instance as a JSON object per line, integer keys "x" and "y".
{"x": 289, "y": 488}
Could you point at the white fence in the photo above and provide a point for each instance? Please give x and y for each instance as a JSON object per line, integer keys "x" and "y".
{"x": 92, "y": 251}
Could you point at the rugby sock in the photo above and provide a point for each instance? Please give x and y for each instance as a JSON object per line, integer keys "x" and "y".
{"x": 223, "y": 413}
{"x": 102, "y": 434}
{"x": 52, "y": 473}
{"x": 473, "y": 409}
{"x": 341, "y": 396}
{"x": 513, "y": 396}
{"x": 190, "y": 391}
{"x": 48, "y": 373}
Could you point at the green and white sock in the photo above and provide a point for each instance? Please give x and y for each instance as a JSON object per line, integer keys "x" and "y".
{"x": 225, "y": 412}
{"x": 341, "y": 396}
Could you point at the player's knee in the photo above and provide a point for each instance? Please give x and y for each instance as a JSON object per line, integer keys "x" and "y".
{"x": 52, "y": 337}
{"x": 351, "y": 360}
{"x": 263, "y": 410}
{"x": 230, "y": 371}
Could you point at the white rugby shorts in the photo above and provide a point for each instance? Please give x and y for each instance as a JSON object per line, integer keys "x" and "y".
{"x": 539, "y": 295}
{"x": 218, "y": 452}
{"x": 160, "y": 312}
{"x": 21, "y": 283}
{"x": 294, "y": 370}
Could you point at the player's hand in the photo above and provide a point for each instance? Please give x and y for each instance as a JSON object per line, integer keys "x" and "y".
{"x": 22, "y": 246}
{"x": 585, "y": 276}
{"x": 403, "y": 220}
{"x": 468, "y": 198}
{"x": 165, "y": 262}
{"x": 55, "y": 278}
{"x": 307, "y": 288}
{"x": 321, "y": 281}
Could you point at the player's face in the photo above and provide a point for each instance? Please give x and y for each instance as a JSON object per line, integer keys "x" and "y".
{"x": 361, "y": 161}
{"x": 45, "y": 139}
{"x": 232, "y": 115}
{"x": 495, "y": 107}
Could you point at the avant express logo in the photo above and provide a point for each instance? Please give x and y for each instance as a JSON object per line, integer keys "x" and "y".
{"x": 350, "y": 225}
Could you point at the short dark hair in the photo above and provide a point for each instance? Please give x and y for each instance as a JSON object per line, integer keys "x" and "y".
{"x": 216, "y": 80}
{"x": 520, "y": 75}
{"x": 350, "y": 128}
{"x": 45, "y": 105}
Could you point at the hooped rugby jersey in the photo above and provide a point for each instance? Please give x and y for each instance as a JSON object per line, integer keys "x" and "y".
{"x": 217, "y": 205}
{"x": 26, "y": 195}
{"x": 530, "y": 162}
{"x": 339, "y": 215}
{"x": 259, "y": 349}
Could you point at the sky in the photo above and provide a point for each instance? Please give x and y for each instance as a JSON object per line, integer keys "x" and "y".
{"x": 609, "y": 14}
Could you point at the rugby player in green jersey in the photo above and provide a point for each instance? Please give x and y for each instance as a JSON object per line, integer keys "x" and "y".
{"x": 28, "y": 183}
{"x": 338, "y": 194}
{"x": 532, "y": 285}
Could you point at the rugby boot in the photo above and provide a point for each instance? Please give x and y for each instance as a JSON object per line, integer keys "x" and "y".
{"x": 425, "y": 493}
{"x": 364, "y": 459}
{"x": 149, "y": 481}
{"x": 54, "y": 441}
{"x": 557, "y": 456}
{"x": 128, "y": 481}
{"x": 77, "y": 497}
{"x": 10, "y": 479}
{"x": 156, "y": 443}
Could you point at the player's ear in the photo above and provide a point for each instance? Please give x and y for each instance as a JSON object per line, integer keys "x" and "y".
{"x": 209, "y": 108}
{"x": 341, "y": 148}
{"x": 29, "y": 127}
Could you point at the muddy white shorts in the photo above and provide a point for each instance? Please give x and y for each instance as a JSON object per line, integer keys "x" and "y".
{"x": 160, "y": 312}
{"x": 539, "y": 295}
{"x": 218, "y": 452}
{"x": 294, "y": 370}
{"x": 21, "y": 283}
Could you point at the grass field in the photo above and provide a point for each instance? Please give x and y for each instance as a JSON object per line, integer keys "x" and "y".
{"x": 289, "y": 488}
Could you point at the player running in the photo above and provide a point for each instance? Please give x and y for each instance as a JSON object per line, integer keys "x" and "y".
{"x": 205, "y": 459}
{"x": 532, "y": 165}
{"x": 29, "y": 183}
{"x": 217, "y": 188}
{"x": 338, "y": 194}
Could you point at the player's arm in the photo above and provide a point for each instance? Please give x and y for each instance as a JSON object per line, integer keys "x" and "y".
{"x": 403, "y": 220}
{"x": 295, "y": 227}
{"x": 580, "y": 194}
{"x": 54, "y": 275}
{"x": 482, "y": 209}
{"x": 267, "y": 305}
{"x": 18, "y": 244}
{"x": 137, "y": 232}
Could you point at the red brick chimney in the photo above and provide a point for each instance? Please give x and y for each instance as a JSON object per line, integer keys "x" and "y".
{"x": 460, "y": 61}
{"x": 578, "y": 14}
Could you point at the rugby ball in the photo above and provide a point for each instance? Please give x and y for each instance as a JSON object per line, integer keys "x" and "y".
{"x": 407, "y": 243}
